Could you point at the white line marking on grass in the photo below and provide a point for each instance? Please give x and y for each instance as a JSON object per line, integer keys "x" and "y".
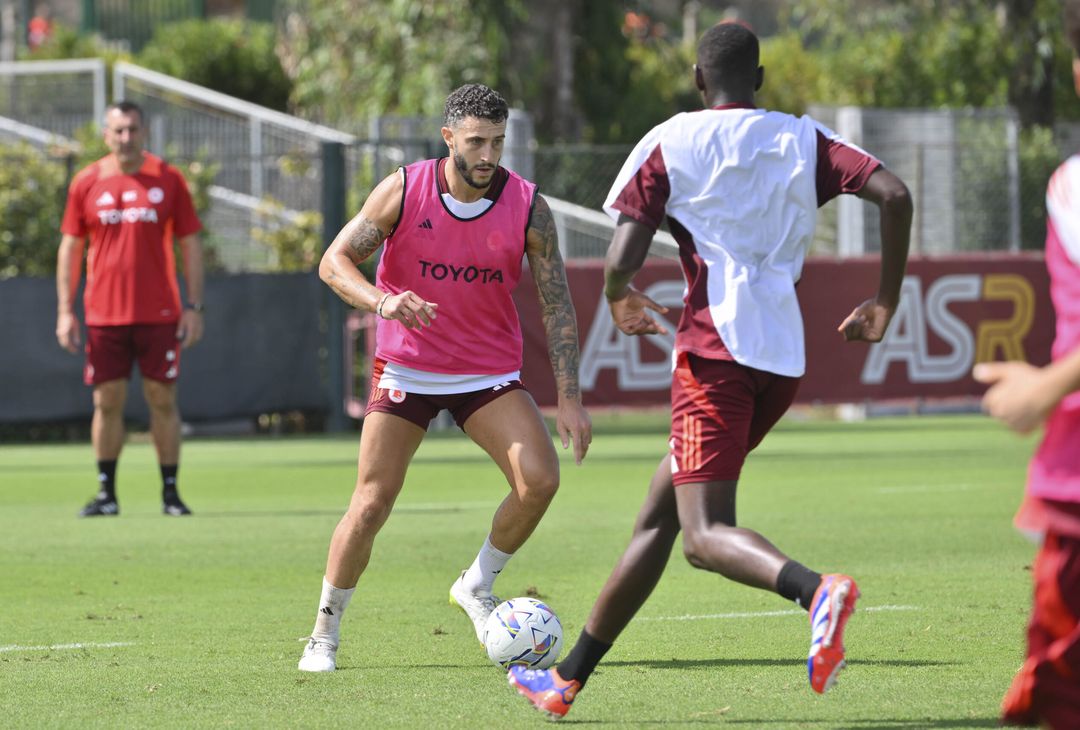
{"x": 756, "y": 614}
{"x": 80, "y": 645}
{"x": 922, "y": 488}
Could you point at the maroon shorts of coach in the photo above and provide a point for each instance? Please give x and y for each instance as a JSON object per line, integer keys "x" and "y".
{"x": 1046, "y": 690}
{"x": 110, "y": 352}
{"x": 720, "y": 410}
{"x": 419, "y": 408}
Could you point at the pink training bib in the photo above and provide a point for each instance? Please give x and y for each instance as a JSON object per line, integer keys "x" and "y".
{"x": 468, "y": 267}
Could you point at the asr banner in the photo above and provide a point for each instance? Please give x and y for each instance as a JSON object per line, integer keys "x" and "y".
{"x": 954, "y": 312}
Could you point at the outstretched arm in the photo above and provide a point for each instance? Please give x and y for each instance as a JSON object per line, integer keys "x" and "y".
{"x": 360, "y": 238}
{"x": 1021, "y": 395}
{"x": 560, "y": 323}
{"x": 625, "y": 257}
{"x": 870, "y": 319}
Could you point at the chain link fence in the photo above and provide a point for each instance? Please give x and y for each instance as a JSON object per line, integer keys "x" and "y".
{"x": 978, "y": 181}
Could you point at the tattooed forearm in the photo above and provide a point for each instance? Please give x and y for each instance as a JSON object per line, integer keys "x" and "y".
{"x": 556, "y": 307}
{"x": 357, "y": 241}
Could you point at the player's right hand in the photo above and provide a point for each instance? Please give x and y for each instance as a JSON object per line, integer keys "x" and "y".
{"x": 1018, "y": 396}
{"x": 867, "y": 322}
{"x": 410, "y": 309}
{"x": 67, "y": 332}
{"x": 631, "y": 316}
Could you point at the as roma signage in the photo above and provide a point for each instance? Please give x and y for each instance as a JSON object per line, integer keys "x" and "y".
{"x": 954, "y": 313}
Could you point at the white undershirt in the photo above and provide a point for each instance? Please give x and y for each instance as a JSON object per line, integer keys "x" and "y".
{"x": 422, "y": 382}
{"x": 466, "y": 210}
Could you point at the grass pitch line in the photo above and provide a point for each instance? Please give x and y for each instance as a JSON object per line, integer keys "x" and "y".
{"x": 757, "y": 614}
{"x": 923, "y": 488}
{"x": 79, "y": 645}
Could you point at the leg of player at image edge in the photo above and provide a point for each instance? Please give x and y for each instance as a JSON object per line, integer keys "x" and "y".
{"x": 553, "y": 691}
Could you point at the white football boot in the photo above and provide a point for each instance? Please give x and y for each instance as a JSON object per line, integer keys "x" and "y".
{"x": 476, "y": 607}
{"x": 319, "y": 656}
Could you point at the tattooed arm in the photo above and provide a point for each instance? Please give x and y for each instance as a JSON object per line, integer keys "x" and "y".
{"x": 560, "y": 323}
{"x": 360, "y": 238}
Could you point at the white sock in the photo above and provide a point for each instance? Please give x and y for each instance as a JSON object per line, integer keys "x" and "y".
{"x": 332, "y": 605}
{"x": 481, "y": 575}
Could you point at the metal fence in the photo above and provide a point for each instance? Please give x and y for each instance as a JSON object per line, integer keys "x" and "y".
{"x": 977, "y": 181}
{"x": 57, "y": 96}
{"x": 962, "y": 166}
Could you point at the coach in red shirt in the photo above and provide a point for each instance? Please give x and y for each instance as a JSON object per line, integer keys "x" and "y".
{"x": 131, "y": 205}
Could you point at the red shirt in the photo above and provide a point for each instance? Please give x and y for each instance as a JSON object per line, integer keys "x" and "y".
{"x": 131, "y": 221}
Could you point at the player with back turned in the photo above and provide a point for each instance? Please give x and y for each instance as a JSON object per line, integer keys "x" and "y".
{"x": 739, "y": 187}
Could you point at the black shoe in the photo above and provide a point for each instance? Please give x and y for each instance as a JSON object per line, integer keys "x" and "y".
{"x": 100, "y": 507}
{"x": 174, "y": 508}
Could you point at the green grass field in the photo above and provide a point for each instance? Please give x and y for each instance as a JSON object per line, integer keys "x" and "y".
{"x": 198, "y": 622}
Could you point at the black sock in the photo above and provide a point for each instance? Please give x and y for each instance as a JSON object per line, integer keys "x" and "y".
{"x": 168, "y": 483}
{"x": 798, "y": 583}
{"x": 107, "y": 480}
{"x": 583, "y": 658}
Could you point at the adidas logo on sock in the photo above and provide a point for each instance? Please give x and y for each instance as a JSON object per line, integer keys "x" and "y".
{"x": 426, "y": 224}
{"x": 326, "y": 610}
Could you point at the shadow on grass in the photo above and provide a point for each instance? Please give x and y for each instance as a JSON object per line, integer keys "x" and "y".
{"x": 721, "y": 662}
{"x": 877, "y": 724}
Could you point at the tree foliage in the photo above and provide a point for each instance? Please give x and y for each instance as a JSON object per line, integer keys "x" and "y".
{"x": 396, "y": 57}
{"x": 923, "y": 53}
{"x": 32, "y": 198}
{"x": 234, "y": 57}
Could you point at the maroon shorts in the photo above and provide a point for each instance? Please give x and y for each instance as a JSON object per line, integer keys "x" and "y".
{"x": 720, "y": 410}
{"x": 1046, "y": 690}
{"x": 420, "y": 408}
{"x": 110, "y": 352}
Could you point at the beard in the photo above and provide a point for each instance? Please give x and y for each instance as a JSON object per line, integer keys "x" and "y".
{"x": 466, "y": 174}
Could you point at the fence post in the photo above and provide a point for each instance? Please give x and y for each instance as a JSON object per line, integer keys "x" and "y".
{"x": 333, "y": 213}
{"x": 1012, "y": 145}
{"x": 89, "y": 16}
{"x": 851, "y": 221}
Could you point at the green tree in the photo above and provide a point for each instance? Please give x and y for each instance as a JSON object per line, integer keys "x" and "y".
{"x": 397, "y": 57}
{"x": 234, "y": 57}
{"x": 32, "y": 198}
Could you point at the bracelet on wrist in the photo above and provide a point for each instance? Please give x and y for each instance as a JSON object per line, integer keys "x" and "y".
{"x": 195, "y": 307}
{"x": 379, "y": 306}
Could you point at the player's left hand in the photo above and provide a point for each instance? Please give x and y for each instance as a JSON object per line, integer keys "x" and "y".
{"x": 867, "y": 322}
{"x": 190, "y": 329}
{"x": 573, "y": 424}
{"x": 1017, "y": 396}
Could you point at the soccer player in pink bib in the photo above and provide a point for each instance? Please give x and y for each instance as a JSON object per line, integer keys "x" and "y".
{"x": 1046, "y": 690}
{"x": 455, "y": 231}
{"x": 739, "y": 187}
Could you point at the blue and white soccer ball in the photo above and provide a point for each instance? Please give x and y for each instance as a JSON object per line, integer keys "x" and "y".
{"x": 523, "y": 632}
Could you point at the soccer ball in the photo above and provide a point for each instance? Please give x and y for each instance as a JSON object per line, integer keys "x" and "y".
{"x": 523, "y": 632}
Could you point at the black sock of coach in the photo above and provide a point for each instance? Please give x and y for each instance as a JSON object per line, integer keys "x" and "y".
{"x": 798, "y": 583}
{"x": 168, "y": 482}
{"x": 583, "y": 658}
{"x": 107, "y": 479}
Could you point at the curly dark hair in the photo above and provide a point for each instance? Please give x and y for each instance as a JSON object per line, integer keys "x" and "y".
{"x": 728, "y": 51}
{"x": 474, "y": 100}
